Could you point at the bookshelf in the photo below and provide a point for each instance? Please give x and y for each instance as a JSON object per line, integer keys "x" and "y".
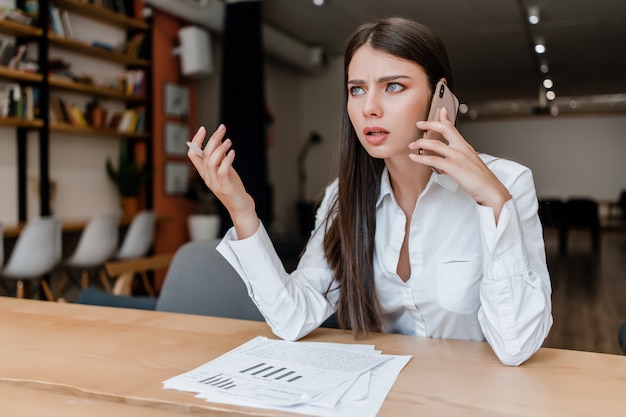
{"x": 127, "y": 95}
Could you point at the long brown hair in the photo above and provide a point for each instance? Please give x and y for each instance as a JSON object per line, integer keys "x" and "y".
{"x": 349, "y": 240}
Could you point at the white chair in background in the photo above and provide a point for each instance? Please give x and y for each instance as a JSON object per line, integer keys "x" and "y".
{"x": 96, "y": 245}
{"x": 137, "y": 242}
{"x": 37, "y": 251}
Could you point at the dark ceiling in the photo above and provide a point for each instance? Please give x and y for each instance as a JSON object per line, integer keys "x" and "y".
{"x": 489, "y": 42}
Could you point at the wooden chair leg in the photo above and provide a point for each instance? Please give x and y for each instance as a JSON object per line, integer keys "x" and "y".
{"x": 62, "y": 284}
{"x": 20, "y": 289}
{"x": 46, "y": 289}
{"x": 104, "y": 278}
{"x": 84, "y": 279}
{"x": 147, "y": 285}
{"x": 123, "y": 284}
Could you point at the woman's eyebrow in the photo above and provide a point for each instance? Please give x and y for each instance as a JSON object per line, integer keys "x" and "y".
{"x": 381, "y": 80}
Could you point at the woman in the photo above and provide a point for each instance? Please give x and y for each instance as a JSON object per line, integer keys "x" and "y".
{"x": 416, "y": 236}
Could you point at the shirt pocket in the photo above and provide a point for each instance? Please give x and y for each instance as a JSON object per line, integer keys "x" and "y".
{"x": 459, "y": 284}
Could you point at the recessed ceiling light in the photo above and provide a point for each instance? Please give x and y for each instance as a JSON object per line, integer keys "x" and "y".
{"x": 318, "y": 2}
{"x": 533, "y": 15}
{"x": 540, "y": 46}
{"x": 550, "y": 95}
{"x": 547, "y": 83}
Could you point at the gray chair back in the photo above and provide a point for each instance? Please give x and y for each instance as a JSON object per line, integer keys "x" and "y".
{"x": 200, "y": 281}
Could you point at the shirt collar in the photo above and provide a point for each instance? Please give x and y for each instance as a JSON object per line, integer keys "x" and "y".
{"x": 442, "y": 179}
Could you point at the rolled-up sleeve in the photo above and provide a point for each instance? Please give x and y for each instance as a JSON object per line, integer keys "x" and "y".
{"x": 515, "y": 293}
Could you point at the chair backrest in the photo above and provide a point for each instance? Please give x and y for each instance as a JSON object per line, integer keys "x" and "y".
{"x": 97, "y": 242}
{"x": 139, "y": 237}
{"x": 200, "y": 281}
{"x": 622, "y": 203}
{"x": 37, "y": 249}
{"x": 551, "y": 212}
{"x": 582, "y": 211}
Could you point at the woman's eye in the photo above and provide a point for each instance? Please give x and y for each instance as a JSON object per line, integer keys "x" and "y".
{"x": 394, "y": 87}
{"x": 355, "y": 91}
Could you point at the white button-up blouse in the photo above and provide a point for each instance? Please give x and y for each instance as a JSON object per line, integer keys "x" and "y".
{"x": 470, "y": 278}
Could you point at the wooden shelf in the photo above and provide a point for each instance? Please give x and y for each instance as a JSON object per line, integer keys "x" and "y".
{"x": 101, "y": 14}
{"x": 18, "y": 75}
{"x": 18, "y": 29}
{"x": 67, "y": 128}
{"x": 94, "y": 51}
{"x": 19, "y": 122}
{"x": 48, "y": 45}
{"x": 98, "y": 91}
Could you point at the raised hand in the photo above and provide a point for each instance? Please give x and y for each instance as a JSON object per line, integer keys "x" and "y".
{"x": 215, "y": 166}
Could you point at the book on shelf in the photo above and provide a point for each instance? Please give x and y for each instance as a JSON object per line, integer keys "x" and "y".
{"x": 17, "y": 58}
{"x": 66, "y": 24}
{"x": 125, "y": 7}
{"x": 19, "y": 101}
{"x": 138, "y": 46}
{"x": 76, "y": 116}
{"x": 103, "y": 45}
{"x": 129, "y": 120}
{"x": 56, "y": 25}
{"x": 7, "y": 51}
{"x": 133, "y": 82}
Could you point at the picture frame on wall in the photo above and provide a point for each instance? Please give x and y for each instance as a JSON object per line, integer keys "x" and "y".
{"x": 176, "y": 100}
{"x": 176, "y": 177}
{"x": 176, "y": 134}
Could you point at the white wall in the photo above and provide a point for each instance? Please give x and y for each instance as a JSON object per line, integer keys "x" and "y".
{"x": 569, "y": 155}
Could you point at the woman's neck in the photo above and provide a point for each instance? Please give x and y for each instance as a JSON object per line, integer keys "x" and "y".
{"x": 408, "y": 180}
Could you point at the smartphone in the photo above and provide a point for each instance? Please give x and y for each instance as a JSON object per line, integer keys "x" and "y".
{"x": 442, "y": 97}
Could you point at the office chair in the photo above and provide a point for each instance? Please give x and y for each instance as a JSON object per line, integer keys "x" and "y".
{"x": 138, "y": 241}
{"x": 37, "y": 251}
{"x": 621, "y": 337}
{"x": 198, "y": 281}
{"x": 96, "y": 245}
{"x": 582, "y": 212}
{"x": 552, "y": 214}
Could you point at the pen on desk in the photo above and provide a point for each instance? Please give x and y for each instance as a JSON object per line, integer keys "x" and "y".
{"x": 194, "y": 148}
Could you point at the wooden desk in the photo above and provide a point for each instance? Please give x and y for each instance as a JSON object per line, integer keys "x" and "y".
{"x": 76, "y": 360}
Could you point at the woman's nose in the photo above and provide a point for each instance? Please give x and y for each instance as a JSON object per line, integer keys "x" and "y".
{"x": 372, "y": 106}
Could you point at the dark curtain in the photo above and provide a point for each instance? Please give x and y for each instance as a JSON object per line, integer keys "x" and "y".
{"x": 243, "y": 101}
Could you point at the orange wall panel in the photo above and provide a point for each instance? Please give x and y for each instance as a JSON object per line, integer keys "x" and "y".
{"x": 173, "y": 210}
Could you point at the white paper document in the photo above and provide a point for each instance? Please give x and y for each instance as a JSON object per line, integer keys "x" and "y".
{"x": 322, "y": 379}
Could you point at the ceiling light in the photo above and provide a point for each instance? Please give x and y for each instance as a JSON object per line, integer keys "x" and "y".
{"x": 533, "y": 15}
{"x": 550, "y": 95}
{"x": 318, "y": 2}
{"x": 543, "y": 67}
{"x": 540, "y": 47}
{"x": 547, "y": 83}
{"x": 463, "y": 108}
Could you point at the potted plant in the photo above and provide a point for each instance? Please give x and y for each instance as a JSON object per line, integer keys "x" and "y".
{"x": 205, "y": 223}
{"x": 129, "y": 178}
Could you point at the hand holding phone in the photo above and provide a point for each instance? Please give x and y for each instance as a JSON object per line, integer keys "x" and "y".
{"x": 442, "y": 97}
